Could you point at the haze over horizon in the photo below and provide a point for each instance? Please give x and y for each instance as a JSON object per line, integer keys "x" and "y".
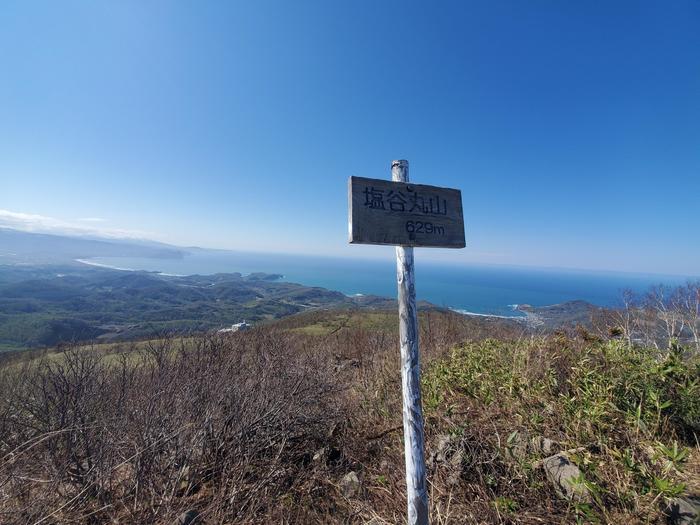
{"x": 572, "y": 130}
{"x": 50, "y": 226}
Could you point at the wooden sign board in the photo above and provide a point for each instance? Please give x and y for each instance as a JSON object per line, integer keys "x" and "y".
{"x": 404, "y": 214}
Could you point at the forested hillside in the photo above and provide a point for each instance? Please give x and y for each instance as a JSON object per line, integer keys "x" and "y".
{"x": 49, "y": 305}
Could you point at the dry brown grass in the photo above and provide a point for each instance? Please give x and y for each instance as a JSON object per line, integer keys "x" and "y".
{"x": 231, "y": 427}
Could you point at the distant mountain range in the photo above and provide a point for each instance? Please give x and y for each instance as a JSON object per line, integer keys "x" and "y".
{"x": 39, "y": 248}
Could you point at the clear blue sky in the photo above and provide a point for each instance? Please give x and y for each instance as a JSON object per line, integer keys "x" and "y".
{"x": 572, "y": 128}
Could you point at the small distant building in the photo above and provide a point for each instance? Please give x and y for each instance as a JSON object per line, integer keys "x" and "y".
{"x": 238, "y": 327}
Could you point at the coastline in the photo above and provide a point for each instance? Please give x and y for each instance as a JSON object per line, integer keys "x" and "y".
{"x": 110, "y": 267}
{"x": 530, "y": 319}
{"x": 100, "y": 265}
{"x": 497, "y": 316}
{"x": 522, "y": 312}
{"x": 505, "y": 302}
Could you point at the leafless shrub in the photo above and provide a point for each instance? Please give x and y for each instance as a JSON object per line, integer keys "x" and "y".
{"x": 225, "y": 422}
{"x": 662, "y": 317}
{"x": 688, "y": 303}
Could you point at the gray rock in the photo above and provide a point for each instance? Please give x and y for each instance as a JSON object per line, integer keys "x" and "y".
{"x": 542, "y": 445}
{"x": 449, "y": 454}
{"x": 189, "y": 517}
{"x": 350, "y": 485}
{"x": 344, "y": 364}
{"x": 326, "y": 456}
{"x": 522, "y": 445}
{"x": 448, "y": 450}
{"x": 565, "y": 476}
{"x": 683, "y": 511}
{"x": 321, "y": 456}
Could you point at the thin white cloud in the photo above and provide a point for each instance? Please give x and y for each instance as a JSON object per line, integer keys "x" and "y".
{"x": 92, "y": 219}
{"x": 29, "y": 222}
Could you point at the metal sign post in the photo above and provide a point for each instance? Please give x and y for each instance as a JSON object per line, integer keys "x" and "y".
{"x": 406, "y": 215}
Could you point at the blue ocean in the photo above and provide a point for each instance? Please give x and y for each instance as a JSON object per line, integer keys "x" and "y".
{"x": 477, "y": 289}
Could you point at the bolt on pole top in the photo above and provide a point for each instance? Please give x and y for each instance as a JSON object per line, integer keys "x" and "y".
{"x": 399, "y": 170}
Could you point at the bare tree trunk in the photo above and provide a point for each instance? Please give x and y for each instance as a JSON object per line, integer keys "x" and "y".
{"x": 690, "y": 310}
{"x": 663, "y": 301}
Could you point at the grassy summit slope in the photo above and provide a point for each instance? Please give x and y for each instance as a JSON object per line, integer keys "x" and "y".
{"x": 627, "y": 418}
{"x": 267, "y": 426}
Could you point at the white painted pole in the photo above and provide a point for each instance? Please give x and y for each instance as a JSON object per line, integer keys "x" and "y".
{"x": 416, "y": 487}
